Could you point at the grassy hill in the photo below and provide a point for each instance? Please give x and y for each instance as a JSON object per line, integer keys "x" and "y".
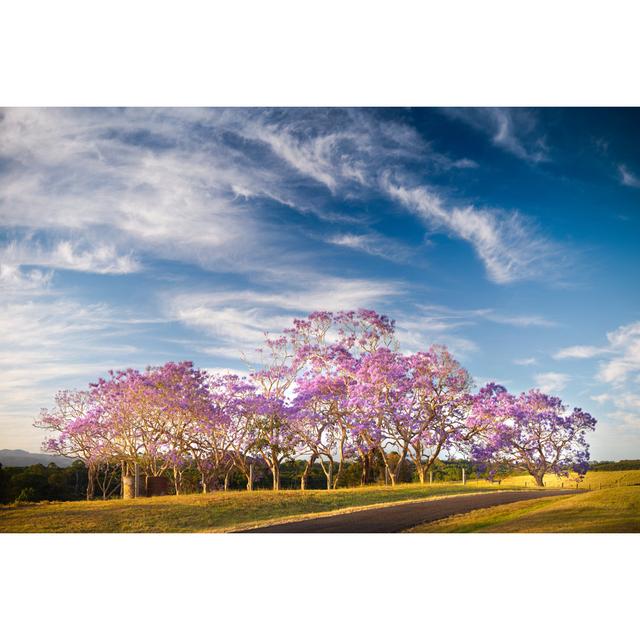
{"x": 219, "y": 511}
{"x": 612, "y": 510}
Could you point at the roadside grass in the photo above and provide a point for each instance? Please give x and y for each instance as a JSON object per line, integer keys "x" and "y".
{"x": 222, "y": 511}
{"x": 613, "y": 510}
{"x": 592, "y": 480}
{"x": 219, "y": 511}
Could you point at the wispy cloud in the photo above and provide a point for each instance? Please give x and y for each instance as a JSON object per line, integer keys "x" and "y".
{"x": 513, "y": 130}
{"x": 507, "y": 244}
{"x": 551, "y": 381}
{"x": 490, "y": 315}
{"x": 15, "y": 281}
{"x": 195, "y": 185}
{"x": 580, "y": 351}
{"x": 525, "y": 362}
{"x": 416, "y": 332}
{"x": 64, "y": 254}
{"x": 374, "y": 244}
{"x": 624, "y": 342}
{"x": 620, "y": 356}
{"x": 237, "y": 319}
{"x": 627, "y": 178}
{"x": 521, "y": 320}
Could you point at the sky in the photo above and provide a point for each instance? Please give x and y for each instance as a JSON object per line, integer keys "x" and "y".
{"x": 131, "y": 237}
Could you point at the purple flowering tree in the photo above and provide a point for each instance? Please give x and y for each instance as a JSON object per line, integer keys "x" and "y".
{"x": 533, "y": 431}
{"x": 438, "y": 399}
{"x": 79, "y": 432}
{"x": 332, "y": 387}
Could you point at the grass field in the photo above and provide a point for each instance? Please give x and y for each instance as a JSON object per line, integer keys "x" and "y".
{"x": 235, "y": 509}
{"x": 593, "y": 480}
{"x": 614, "y": 510}
{"x": 218, "y": 511}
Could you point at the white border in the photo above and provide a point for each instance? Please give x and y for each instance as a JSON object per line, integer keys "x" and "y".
{"x": 317, "y": 586}
{"x": 141, "y": 52}
{"x": 334, "y": 52}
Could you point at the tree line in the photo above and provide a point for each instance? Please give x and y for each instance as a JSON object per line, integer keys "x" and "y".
{"x": 333, "y": 391}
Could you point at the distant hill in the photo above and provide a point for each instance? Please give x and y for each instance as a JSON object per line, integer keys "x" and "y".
{"x": 21, "y": 458}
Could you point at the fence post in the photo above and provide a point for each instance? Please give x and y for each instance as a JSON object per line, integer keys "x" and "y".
{"x": 464, "y": 476}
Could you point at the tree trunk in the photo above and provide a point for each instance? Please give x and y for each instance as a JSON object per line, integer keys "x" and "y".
{"x": 90, "y": 482}
{"x": 250, "y": 478}
{"x": 176, "y": 480}
{"x": 367, "y": 461}
{"x": 392, "y": 477}
{"x": 276, "y": 477}
{"x": 421, "y": 472}
{"x": 226, "y": 480}
{"x": 539, "y": 478}
{"x": 330, "y": 476}
{"x": 305, "y": 474}
{"x": 343, "y": 439}
{"x": 204, "y": 483}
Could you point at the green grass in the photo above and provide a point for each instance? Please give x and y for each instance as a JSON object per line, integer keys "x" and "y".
{"x": 218, "y": 511}
{"x": 613, "y": 510}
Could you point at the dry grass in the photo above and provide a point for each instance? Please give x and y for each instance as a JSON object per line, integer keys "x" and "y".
{"x": 593, "y": 480}
{"x": 241, "y": 509}
{"x": 213, "y": 512}
{"x": 612, "y": 510}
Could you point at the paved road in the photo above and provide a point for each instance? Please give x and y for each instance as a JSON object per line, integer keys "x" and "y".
{"x": 405, "y": 515}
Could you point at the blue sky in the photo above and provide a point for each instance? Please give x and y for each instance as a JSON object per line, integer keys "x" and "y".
{"x": 132, "y": 237}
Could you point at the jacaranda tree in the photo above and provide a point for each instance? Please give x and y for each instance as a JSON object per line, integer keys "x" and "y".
{"x": 332, "y": 387}
{"x": 532, "y": 431}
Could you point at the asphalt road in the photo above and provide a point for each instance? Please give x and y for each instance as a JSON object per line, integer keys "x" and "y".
{"x": 405, "y": 515}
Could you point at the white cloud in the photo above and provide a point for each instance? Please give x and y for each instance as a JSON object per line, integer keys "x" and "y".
{"x": 15, "y": 281}
{"x": 513, "y": 130}
{"x": 624, "y": 342}
{"x": 190, "y": 185}
{"x": 620, "y": 357}
{"x": 238, "y": 319}
{"x": 619, "y": 370}
{"x": 471, "y": 316}
{"x": 339, "y": 149}
{"x": 580, "y": 351}
{"x": 525, "y": 362}
{"x": 129, "y": 179}
{"x": 99, "y": 258}
{"x": 45, "y": 340}
{"x": 372, "y": 243}
{"x": 521, "y": 321}
{"x": 627, "y": 178}
{"x": 505, "y": 242}
{"x": 551, "y": 381}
